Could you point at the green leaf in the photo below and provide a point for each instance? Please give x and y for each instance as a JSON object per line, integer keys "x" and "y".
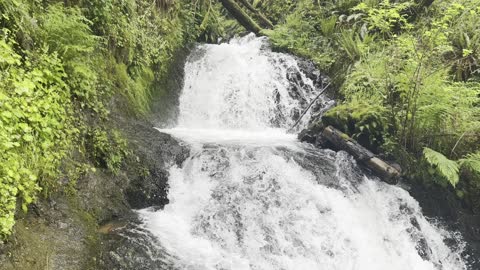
{"x": 471, "y": 162}
{"x": 444, "y": 166}
{"x": 28, "y": 137}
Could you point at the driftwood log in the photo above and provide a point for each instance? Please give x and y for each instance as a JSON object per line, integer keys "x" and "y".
{"x": 342, "y": 141}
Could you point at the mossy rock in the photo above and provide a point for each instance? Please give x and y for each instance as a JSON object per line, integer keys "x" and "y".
{"x": 363, "y": 122}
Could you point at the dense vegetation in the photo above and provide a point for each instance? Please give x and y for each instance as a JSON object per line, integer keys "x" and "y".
{"x": 408, "y": 78}
{"x": 406, "y": 74}
{"x": 62, "y": 63}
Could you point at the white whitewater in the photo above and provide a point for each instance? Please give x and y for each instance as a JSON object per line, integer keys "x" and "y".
{"x": 252, "y": 197}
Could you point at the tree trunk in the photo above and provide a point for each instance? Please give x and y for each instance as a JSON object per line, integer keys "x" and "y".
{"x": 263, "y": 20}
{"x": 236, "y": 11}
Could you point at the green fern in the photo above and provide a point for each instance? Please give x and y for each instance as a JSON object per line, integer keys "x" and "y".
{"x": 444, "y": 166}
{"x": 471, "y": 162}
{"x": 327, "y": 25}
{"x": 351, "y": 43}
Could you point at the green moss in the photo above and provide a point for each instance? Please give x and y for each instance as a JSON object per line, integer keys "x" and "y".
{"x": 361, "y": 121}
{"x": 48, "y": 242}
{"x": 345, "y": 136}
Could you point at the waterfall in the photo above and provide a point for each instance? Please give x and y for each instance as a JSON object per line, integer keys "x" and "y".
{"x": 250, "y": 196}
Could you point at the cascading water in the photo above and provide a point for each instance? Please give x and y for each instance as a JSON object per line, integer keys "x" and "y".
{"x": 250, "y": 196}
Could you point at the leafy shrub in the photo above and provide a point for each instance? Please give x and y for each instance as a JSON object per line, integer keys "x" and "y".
{"x": 67, "y": 31}
{"x": 61, "y": 65}
{"x": 456, "y": 27}
{"x": 385, "y": 17}
{"x": 471, "y": 162}
{"x": 301, "y": 34}
{"x": 108, "y": 150}
{"x": 412, "y": 65}
{"x": 35, "y": 128}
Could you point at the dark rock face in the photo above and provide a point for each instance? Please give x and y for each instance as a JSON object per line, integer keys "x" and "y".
{"x": 131, "y": 247}
{"x": 319, "y": 80}
{"x": 310, "y": 70}
{"x": 156, "y": 152}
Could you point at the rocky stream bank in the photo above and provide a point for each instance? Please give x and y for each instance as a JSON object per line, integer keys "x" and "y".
{"x": 95, "y": 227}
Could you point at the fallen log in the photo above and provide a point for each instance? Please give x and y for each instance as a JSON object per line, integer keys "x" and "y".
{"x": 241, "y": 16}
{"x": 342, "y": 141}
{"x": 263, "y": 19}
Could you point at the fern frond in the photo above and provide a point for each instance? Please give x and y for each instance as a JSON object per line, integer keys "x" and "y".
{"x": 471, "y": 162}
{"x": 444, "y": 166}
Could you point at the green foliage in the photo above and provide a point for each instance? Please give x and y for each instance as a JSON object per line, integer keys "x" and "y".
{"x": 62, "y": 66}
{"x": 35, "y": 127}
{"x": 327, "y": 25}
{"x": 385, "y": 17}
{"x": 351, "y": 43}
{"x": 369, "y": 78}
{"x": 66, "y": 31}
{"x": 444, "y": 166}
{"x": 275, "y": 10}
{"x": 136, "y": 89}
{"x": 406, "y": 82}
{"x": 412, "y": 66}
{"x": 364, "y": 121}
{"x": 455, "y": 27}
{"x": 211, "y": 22}
{"x": 471, "y": 162}
{"x": 301, "y": 34}
{"x": 108, "y": 150}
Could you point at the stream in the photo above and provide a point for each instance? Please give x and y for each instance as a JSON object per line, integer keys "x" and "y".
{"x": 251, "y": 196}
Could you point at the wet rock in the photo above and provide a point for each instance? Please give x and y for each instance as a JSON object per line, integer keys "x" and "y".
{"x": 320, "y": 162}
{"x": 132, "y": 247}
{"x": 310, "y": 70}
{"x": 307, "y": 136}
{"x": 157, "y": 152}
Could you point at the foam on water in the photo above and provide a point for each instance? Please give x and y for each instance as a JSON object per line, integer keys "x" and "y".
{"x": 252, "y": 197}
